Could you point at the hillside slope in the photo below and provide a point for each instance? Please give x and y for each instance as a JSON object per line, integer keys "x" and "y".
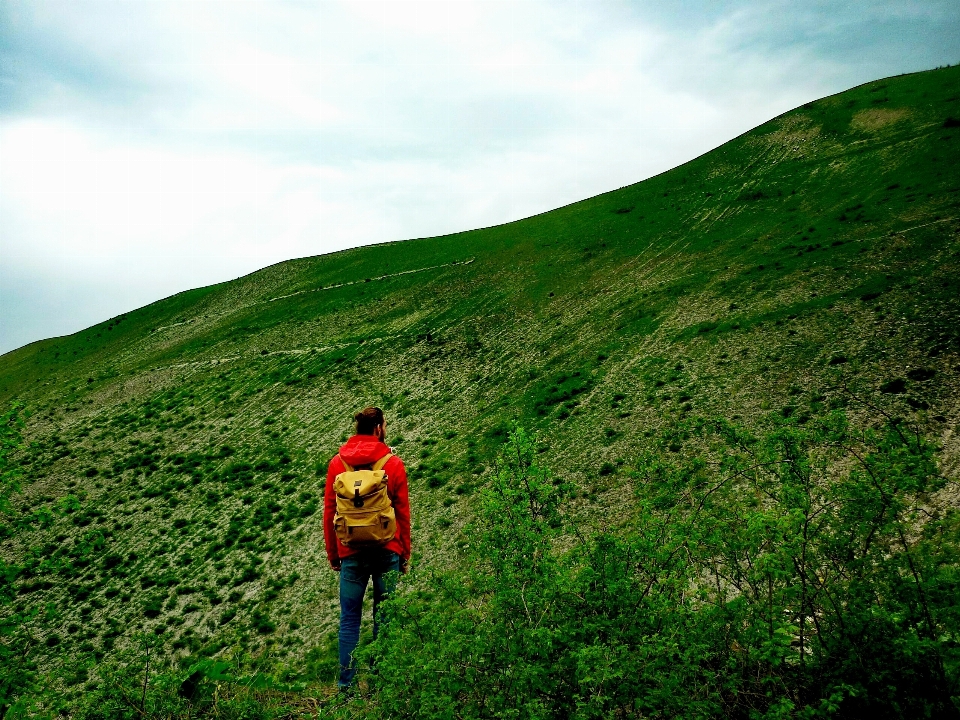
{"x": 178, "y": 449}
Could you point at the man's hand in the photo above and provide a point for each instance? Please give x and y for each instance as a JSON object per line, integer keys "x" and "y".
{"x": 404, "y": 566}
{"x": 336, "y": 568}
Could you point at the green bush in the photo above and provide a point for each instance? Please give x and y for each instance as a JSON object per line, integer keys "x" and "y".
{"x": 786, "y": 575}
{"x": 143, "y": 683}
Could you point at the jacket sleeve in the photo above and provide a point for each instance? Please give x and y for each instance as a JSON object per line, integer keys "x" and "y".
{"x": 401, "y": 506}
{"x": 329, "y": 508}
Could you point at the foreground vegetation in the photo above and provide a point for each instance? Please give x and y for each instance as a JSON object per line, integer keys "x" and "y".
{"x": 172, "y": 460}
{"x": 804, "y": 572}
{"x": 791, "y": 574}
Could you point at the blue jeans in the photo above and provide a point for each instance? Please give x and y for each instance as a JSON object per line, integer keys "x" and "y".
{"x": 355, "y": 573}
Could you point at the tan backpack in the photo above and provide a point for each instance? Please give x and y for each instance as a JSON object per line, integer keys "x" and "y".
{"x": 364, "y": 515}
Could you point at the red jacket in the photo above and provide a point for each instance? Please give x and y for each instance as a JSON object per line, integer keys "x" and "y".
{"x": 365, "y": 450}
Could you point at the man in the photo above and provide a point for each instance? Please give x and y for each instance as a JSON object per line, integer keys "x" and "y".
{"x": 357, "y": 565}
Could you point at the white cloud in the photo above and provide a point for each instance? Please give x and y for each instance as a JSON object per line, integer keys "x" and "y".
{"x": 150, "y": 147}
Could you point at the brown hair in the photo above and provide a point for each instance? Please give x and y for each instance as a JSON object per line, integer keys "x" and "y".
{"x": 368, "y": 419}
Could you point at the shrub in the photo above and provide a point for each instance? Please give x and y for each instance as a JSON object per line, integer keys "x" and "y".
{"x": 784, "y": 575}
{"x": 142, "y": 683}
{"x": 895, "y": 386}
{"x": 261, "y": 623}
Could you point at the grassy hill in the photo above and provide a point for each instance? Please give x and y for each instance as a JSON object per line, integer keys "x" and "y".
{"x": 175, "y": 469}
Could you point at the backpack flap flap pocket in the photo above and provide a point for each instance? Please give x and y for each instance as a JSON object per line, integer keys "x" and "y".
{"x": 373, "y": 527}
{"x": 360, "y": 483}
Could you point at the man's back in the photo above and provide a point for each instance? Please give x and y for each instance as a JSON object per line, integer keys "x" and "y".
{"x": 359, "y": 451}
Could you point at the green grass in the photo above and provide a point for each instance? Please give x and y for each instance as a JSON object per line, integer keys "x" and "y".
{"x": 183, "y": 444}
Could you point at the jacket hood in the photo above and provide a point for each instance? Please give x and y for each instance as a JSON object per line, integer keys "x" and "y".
{"x": 362, "y": 450}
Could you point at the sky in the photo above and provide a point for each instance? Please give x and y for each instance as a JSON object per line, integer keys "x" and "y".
{"x": 152, "y": 146}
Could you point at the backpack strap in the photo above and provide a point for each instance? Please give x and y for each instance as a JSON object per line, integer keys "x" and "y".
{"x": 378, "y": 465}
